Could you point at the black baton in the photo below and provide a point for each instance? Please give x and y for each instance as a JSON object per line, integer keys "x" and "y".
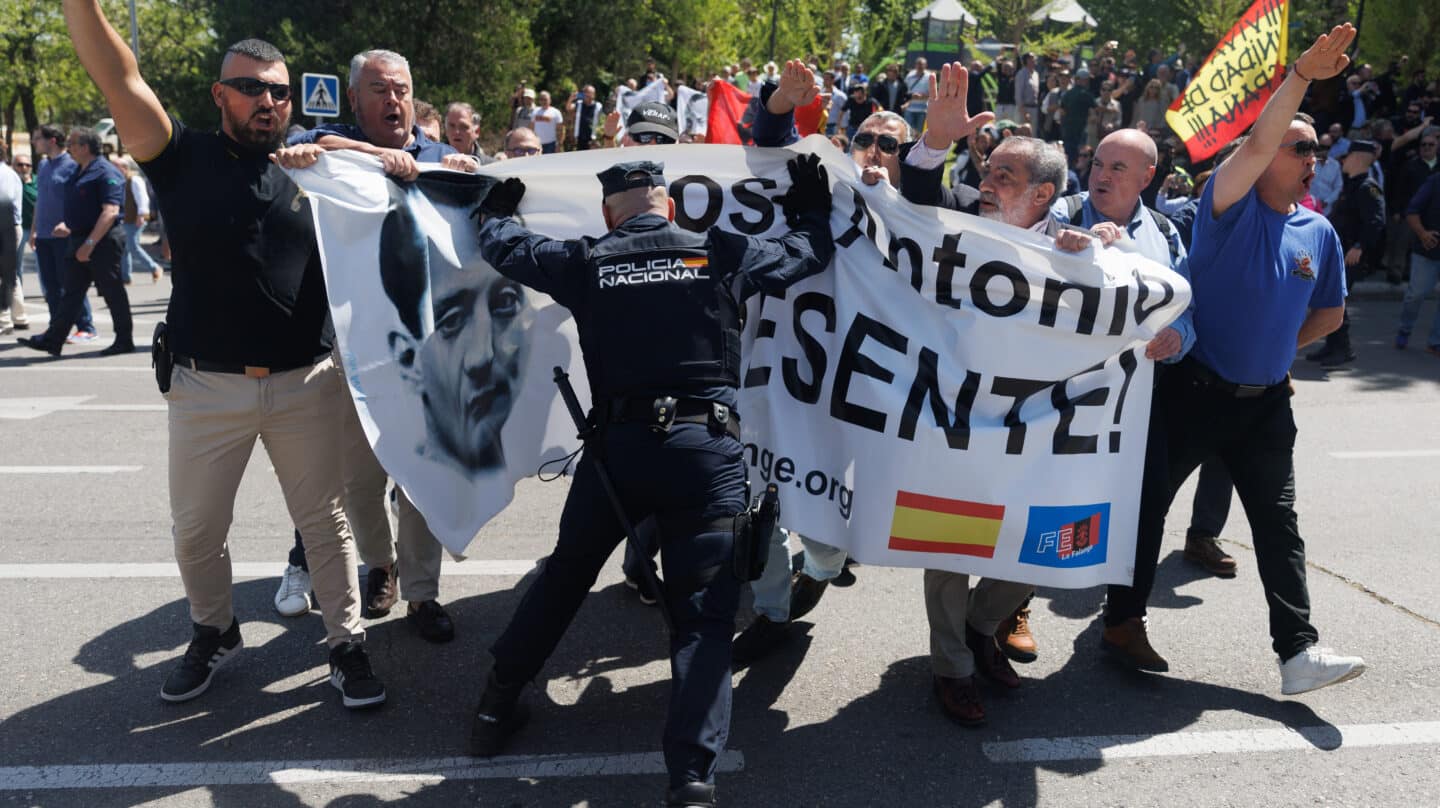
{"x": 586, "y": 432}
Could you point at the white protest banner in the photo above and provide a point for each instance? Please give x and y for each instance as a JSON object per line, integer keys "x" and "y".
{"x": 952, "y": 393}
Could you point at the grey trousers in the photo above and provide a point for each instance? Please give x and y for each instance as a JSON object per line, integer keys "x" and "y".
{"x": 950, "y": 604}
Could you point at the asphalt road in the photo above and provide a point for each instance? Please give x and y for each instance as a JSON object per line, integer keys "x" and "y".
{"x": 843, "y": 716}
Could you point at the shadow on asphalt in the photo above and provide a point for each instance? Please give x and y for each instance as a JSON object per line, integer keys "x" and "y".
{"x": 1378, "y": 365}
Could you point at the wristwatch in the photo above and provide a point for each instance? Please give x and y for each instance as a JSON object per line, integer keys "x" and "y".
{"x": 89, "y": 242}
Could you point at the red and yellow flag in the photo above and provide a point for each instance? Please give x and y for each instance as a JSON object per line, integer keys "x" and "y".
{"x": 926, "y": 524}
{"x": 1227, "y": 93}
{"x": 727, "y": 109}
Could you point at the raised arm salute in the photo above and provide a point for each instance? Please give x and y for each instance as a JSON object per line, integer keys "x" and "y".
{"x": 249, "y": 334}
{"x": 1234, "y": 178}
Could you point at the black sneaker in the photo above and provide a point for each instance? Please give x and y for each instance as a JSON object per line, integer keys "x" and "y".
{"x": 118, "y": 348}
{"x": 39, "y": 344}
{"x": 430, "y": 619}
{"x": 380, "y": 591}
{"x": 805, "y": 593}
{"x": 500, "y": 715}
{"x": 1339, "y": 358}
{"x": 642, "y": 589}
{"x": 759, "y": 639}
{"x": 210, "y": 648}
{"x": 691, "y": 795}
{"x": 351, "y": 675}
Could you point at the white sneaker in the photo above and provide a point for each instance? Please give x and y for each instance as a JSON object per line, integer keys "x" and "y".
{"x": 293, "y": 597}
{"x": 1315, "y": 668}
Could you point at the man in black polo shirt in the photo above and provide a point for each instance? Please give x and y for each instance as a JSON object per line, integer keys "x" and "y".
{"x": 93, "y": 196}
{"x": 251, "y": 338}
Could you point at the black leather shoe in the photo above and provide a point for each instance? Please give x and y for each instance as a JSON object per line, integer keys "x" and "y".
{"x": 500, "y": 715}
{"x": 118, "y": 348}
{"x": 691, "y": 795}
{"x": 1318, "y": 354}
{"x": 39, "y": 344}
{"x": 430, "y": 619}
{"x": 759, "y": 639}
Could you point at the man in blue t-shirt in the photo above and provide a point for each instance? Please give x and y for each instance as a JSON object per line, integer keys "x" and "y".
{"x": 1267, "y": 277}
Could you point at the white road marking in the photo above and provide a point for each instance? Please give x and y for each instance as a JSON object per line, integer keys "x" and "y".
{"x": 289, "y": 772}
{"x": 61, "y": 366}
{"x": 1389, "y": 454}
{"x": 26, "y": 409}
{"x": 240, "y": 569}
{"x": 68, "y": 469}
{"x": 121, "y": 408}
{"x": 1182, "y": 744}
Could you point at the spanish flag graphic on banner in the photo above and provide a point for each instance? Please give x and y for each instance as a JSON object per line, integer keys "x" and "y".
{"x": 926, "y": 524}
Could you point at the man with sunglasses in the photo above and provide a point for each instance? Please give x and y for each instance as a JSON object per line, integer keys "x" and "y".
{"x": 1267, "y": 276}
{"x": 521, "y": 142}
{"x": 250, "y": 336}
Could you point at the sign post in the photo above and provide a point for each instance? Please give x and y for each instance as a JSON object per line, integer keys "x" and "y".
{"x": 320, "y": 95}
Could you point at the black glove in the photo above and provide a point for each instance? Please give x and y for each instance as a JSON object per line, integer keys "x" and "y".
{"x": 503, "y": 198}
{"x": 809, "y": 188}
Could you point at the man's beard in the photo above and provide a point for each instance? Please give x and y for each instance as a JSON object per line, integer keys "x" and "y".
{"x": 245, "y": 135}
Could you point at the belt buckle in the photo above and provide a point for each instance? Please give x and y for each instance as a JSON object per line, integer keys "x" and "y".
{"x": 663, "y": 409}
{"x": 256, "y": 373}
{"x": 1250, "y": 390}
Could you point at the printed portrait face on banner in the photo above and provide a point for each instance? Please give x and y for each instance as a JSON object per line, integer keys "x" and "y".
{"x": 461, "y": 347}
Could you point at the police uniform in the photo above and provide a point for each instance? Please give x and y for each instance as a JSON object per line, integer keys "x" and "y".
{"x": 658, "y": 314}
{"x": 1358, "y": 216}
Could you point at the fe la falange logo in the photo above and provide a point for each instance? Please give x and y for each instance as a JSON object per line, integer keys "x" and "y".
{"x": 1066, "y": 536}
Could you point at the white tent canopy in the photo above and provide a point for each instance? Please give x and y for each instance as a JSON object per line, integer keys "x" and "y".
{"x": 1066, "y": 12}
{"x": 945, "y": 11}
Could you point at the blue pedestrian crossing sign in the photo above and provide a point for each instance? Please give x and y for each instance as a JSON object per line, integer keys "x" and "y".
{"x": 320, "y": 94}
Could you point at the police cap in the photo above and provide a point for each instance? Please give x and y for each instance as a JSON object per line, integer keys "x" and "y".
{"x": 623, "y": 177}
{"x": 652, "y": 116}
{"x": 1362, "y": 147}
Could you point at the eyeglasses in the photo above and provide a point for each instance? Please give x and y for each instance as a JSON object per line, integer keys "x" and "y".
{"x": 652, "y": 139}
{"x": 1428, "y": 144}
{"x": 864, "y": 140}
{"x": 523, "y": 151}
{"x": 256, "y": 88}
{"x": 1302, "y": 148}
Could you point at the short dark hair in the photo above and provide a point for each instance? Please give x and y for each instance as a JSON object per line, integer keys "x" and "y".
{"x": 257, "y": 49}
{"x": 404, "y": 262}
{"x": 86, "y": 136}
{"x": 50, "y": 131}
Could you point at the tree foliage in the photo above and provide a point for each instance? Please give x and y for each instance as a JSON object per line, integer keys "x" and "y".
{"x": 478, "y": 51}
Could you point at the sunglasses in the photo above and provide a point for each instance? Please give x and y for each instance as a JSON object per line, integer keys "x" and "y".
{"x": 864, "y": 140}
{"x": 256, "y": 88}
{"x": 652, "y": 139}
{"x": 523, "y": 151}
{"x": 1303, "y": 148}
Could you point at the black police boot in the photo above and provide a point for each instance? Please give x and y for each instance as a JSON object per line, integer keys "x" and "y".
{"x": 499, "y": 716}
{"x": 691, "y": 795}
{"x": 1319, "y": 354}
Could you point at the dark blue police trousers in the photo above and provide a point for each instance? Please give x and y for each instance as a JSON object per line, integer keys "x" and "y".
{"x": 688, "y": 478}
{"x": 103, "y": 270}
{"x": 1192, "y": 421}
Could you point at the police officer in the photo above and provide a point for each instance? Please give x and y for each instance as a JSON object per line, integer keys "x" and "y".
{"x": 1359, "y": 219}
{"x": 646, "y": 336}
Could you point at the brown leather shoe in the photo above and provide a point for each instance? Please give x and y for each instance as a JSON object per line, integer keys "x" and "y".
{"x": 960, "y": 700}
{"x": 1015, "y": 638}
{"x": 1205, "y": 551}
{"x": 381, "y": 591}
{"x": 989, "y": 662}
{"x": 1128, "y": 645}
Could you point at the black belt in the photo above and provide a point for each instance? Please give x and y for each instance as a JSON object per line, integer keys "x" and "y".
{"x": 1214, "y": 381}
{"x": 253, "y": 371}
{"x": 660, "y": 413}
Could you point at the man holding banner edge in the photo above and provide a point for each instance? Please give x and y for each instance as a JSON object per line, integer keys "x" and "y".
{"x": 1231, "y": 396}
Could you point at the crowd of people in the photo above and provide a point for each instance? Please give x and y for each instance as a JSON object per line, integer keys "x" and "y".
{"x": 1075, "y": 150}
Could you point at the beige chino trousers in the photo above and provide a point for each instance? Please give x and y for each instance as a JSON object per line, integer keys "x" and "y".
{"x": 950, "y": 604}
{"x": 215, "y": 419}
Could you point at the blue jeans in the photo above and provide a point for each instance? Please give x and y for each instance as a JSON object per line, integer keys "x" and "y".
{"x": 772, "y": 591}
{"x": 916, "y": 119}
{"x": 50, "y": 260}
{"x": 134, "y": 252}
{"x": 1423, "y": 274}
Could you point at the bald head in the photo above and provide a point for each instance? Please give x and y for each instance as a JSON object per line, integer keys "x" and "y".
{"x": 1123, "y": 165}
{"x": 620, "y": 207}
